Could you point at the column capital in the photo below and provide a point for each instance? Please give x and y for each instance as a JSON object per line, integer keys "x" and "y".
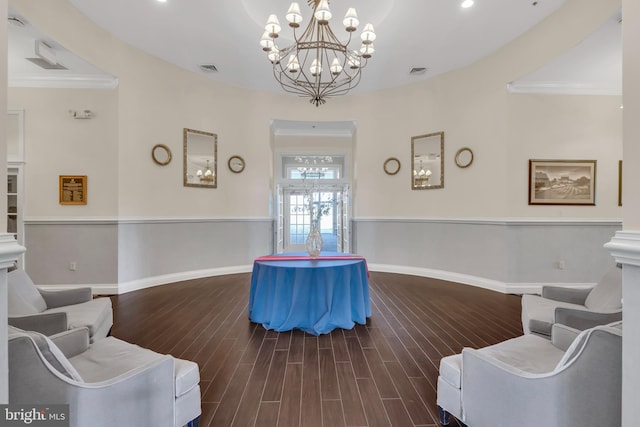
{"x": 10, "y": 250}
{"x": 625, "y": 247}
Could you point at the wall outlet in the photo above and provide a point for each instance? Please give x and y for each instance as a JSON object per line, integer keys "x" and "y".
{"x": 561, "y": 264}
{"x": 72, "y": 266}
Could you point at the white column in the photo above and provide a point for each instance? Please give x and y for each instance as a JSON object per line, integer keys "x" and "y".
{"x": 4, "y": 364}
{"x": 625, "y": 248}
{"x": 625, "y": 245}
{"x": 10, "y": 250}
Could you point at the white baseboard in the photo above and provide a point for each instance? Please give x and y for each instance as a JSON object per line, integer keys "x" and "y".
{"x": 465, "y": 279}
{"x": 480, "y": 282}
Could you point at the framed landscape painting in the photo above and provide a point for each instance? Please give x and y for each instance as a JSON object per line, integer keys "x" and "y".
{"x": 562, "y": 182}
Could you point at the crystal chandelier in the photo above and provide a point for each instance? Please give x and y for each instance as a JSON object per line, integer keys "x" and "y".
{"x": 318, "y": 65}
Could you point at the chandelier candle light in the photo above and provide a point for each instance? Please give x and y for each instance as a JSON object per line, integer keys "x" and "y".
{"x": 318, "y": 65}
{"x": 206, "y": 176}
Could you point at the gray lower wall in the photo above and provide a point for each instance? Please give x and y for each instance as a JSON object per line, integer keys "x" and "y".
{"x": 52, "y": 245}
{"x": 520, "y": 255}
{"x": 509, "y": 256}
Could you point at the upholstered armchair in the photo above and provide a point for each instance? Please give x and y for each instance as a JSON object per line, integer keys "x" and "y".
{"x": 572, "y": 380}
{"x": 108, "y": 383}
{"x": 578, "y": 308}
{"x": 50, "y": 312}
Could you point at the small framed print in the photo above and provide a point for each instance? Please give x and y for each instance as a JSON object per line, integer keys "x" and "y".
{"x": 562, "y": 182}
{"x": 73, "y": 189}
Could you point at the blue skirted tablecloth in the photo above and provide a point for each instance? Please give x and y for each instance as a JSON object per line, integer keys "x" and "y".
{"x": 315, "y": 295}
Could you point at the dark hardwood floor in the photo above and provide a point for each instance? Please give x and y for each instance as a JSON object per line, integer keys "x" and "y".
{"x": 380, "y": 374}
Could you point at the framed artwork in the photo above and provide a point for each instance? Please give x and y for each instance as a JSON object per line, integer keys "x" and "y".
{"x": 73, "y": 189}
{"x": 562, "y": 182}
{"x": 619, "y": 182}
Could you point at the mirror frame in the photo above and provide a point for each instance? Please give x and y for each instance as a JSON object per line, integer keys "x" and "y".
{"x": 414, "y": 139}
{"x": 213, "y": 159}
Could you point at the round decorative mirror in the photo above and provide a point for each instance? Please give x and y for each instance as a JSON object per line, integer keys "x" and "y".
{"x": 161, "y": 154}
{"x": 391, "y": 166}
{"x": 464, "y": 157}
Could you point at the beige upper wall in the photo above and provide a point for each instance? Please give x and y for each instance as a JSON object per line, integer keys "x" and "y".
{"x": 156, "y": 100}
{"x": 57, "y": 144}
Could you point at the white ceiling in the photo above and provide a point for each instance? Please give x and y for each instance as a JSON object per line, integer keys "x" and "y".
{"x": 437, "y": 34}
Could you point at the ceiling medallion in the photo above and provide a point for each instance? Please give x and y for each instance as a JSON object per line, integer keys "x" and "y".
{"x": 318, "y": 65}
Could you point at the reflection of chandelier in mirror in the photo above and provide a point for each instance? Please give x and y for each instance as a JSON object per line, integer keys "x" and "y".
{"x": 206, "y": 176}
{"x": 421, "y": 177}
{"x": 299, "y": 67}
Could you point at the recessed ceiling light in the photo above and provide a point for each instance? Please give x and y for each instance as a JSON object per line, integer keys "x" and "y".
{"x": 162, "y": 1}
{"x": 467, "y": 3}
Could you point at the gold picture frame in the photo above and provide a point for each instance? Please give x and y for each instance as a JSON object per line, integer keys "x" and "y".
{"x": 73, "y": 189}
{"x": 562, "y": 182}
{"x": 619, "y": 182}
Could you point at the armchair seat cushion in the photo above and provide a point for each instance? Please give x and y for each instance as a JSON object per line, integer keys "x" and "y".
{"x": 451, "y": 370}
{"x": 111, "y": 357}
{"x": 187, "y": 376}
{"x": 94, "y": 314}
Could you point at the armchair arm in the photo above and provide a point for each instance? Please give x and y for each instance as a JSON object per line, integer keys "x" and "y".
{"x": 149, "y": 386}
{"x": 45, "y": 323}
{"x": 571, "y": 295}
{"x": 72, "y": 342}
{"x": 583, "y": 319}
{"x": 495, "y": 393}
{"x": 55, "y": 299}
{"x": 562, "y": 336}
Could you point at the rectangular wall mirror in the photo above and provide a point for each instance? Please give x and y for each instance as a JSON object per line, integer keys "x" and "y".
{"x": 200, "y": 158}
{"x": 427, "y": 160}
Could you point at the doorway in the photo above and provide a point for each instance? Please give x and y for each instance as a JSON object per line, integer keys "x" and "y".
{"x": 327, "y": 205}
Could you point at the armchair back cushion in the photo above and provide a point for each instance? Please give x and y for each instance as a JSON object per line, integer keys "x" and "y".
{"x": 607, "y": 294}
{"x": 24, "y": 298}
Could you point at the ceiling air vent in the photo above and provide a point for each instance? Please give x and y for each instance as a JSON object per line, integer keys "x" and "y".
{"x": 17, "y": 21}
{"x": 417, "y": 71}
{"x": 209, "y": 68}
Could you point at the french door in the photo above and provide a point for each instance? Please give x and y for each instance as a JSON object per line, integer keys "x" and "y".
{"x": 294, "y": 217}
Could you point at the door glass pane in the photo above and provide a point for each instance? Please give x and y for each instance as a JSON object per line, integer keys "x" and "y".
{"x": 327, "y": 203}
{"x": 12, "y": 184}
{"x": 299, "y": 219}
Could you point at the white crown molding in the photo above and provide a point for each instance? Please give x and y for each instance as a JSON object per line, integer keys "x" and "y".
{"x": 67, "y": 81}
